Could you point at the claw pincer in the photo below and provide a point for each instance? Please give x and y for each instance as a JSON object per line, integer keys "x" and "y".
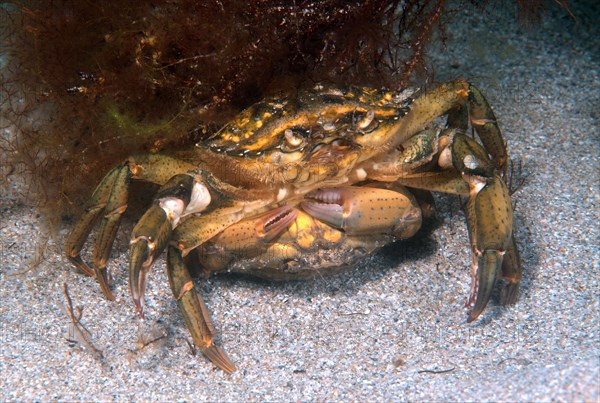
{"x": 365, "y": 210}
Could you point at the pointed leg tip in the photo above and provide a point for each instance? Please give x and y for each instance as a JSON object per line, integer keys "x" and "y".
{"x": 138, "y": 303}
{"x": 138, "y": 276}
{"x": 478, "y": 303}
{"x": 472, "y": 316}
{"x": 80, "y": 264}
{"x": 217, "y": 356}
{"x": 102, "y": 278}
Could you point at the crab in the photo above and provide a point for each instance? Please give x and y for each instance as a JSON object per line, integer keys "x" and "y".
{"x": 302, "y": 186}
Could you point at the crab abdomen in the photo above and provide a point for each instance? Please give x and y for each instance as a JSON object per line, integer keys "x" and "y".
{"x": 307, "y": 248}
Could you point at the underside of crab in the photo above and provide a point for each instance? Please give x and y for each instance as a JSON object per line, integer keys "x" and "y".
{"x": 298, "y": 186}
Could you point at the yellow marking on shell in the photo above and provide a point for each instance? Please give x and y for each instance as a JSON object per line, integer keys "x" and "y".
{"x": 330, "y": 114}
{"x": 266, "y": 139}
{"x": 243, "y": 118}
{"x": 261, "y": 143}
{"x": 262, "y": 130}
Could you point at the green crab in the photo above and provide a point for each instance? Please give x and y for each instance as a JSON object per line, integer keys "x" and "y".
{"x": 301, "y": 186}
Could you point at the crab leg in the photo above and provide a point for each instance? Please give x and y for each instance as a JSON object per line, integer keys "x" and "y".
{"x": 489, "y": 219}
{"x": 110, "y": 198}
{"x": 483, "y": 119}
{"x": 180, "y": 195}
{"x": 450, "y": 98}
{"x": 365, "y": 210}
{"x": 248, "y": 236}
{"x": 198, "y": 229}
{"x": 186, "y": 195}
{"x": 107, "y": 204}
{"x": 194, "y": 311}
{"x": 466, "y": 168}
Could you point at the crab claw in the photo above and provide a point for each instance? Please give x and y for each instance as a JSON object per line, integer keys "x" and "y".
{"x": 246, "y": 238}
{"x": 365, "y": 210}
{"x": 489, "y": 218}
{"x": 258, "y": 230}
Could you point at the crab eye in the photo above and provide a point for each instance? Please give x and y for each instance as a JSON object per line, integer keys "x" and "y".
{"x": 366, "y": 122}
{"x": 293, "y": 141}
